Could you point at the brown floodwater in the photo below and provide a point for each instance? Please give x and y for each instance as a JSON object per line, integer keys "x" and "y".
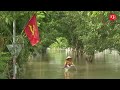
{"x": 50, "y": 66}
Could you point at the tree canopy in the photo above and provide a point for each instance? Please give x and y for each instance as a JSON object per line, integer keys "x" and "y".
{"x": 84, "y": 31}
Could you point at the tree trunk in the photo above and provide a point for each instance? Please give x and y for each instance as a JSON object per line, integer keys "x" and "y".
{"x": 90, "y": 58}
{"x": 81, "y": 52}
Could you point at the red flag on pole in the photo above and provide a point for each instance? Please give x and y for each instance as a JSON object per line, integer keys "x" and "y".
{"x": 31, "y": 30}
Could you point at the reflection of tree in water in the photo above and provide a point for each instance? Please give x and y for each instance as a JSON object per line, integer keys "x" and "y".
{"x": 45, "y": 57}
{"x": 41, "y": 57}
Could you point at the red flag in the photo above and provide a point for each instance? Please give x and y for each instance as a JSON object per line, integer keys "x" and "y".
{"x": 31, "y": 30}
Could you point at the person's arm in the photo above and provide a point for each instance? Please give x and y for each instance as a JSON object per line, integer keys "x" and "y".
{"x": 73, "y": 64}
{"x": 65, "y": 64}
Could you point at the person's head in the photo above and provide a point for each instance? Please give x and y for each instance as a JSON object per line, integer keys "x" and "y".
{"x": 69, "y": 58}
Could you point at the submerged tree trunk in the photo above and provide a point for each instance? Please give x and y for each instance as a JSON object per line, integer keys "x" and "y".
{"x": 81, "y": 52}
{"x": 90, "y": 57}
{"x": 77, "y": 53}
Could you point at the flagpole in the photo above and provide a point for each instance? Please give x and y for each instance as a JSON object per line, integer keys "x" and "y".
{"x": 14, "y": 56}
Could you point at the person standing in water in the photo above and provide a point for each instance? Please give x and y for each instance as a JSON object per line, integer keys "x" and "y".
{"x": 67, "y": 65}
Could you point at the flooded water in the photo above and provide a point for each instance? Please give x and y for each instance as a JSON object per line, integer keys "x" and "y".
{"x": 50, "y": 66}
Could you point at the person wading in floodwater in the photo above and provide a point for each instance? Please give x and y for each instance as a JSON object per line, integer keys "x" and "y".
{"x": 67, "y": 65}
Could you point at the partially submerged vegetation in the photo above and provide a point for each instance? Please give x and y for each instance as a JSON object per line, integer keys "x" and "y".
{"x": 83, "y": 31}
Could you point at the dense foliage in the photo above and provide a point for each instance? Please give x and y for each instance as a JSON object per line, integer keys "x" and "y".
{"x": 84, "y": 31}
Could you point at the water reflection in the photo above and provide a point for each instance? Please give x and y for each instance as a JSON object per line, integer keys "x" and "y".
{"x": 68, "y": 75}
{"x": 50, "y": 66}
